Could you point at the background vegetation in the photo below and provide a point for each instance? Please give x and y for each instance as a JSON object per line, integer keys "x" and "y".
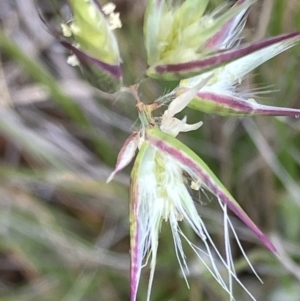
{"x": 64, "y": 233}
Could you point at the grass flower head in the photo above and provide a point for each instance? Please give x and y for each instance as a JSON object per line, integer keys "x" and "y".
{"x": 178, "y": 32}
{"x": 220, "y": 95}
{"x": 89, "y": 36}
{"x": 163, "y": 173}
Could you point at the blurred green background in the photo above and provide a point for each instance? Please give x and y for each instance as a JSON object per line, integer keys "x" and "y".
{"x": 64, "y": 233}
